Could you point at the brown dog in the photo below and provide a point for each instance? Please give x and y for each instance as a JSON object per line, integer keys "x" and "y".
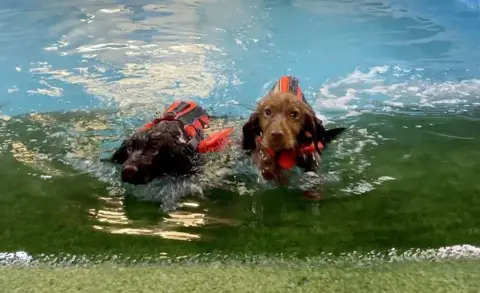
{"x": 284, "y": 121}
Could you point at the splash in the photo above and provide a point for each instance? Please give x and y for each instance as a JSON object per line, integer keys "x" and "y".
{"x": 446, "y": 253}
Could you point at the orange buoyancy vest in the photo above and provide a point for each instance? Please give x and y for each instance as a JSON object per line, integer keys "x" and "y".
{"x": 195, "y": 119}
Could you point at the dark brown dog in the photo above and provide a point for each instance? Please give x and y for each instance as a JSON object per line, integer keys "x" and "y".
{"x": 283, "y": 120}
{"x": 172, "y": 144}
{"x": 161, "y": 150}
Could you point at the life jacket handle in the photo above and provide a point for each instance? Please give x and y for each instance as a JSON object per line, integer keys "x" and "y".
{"x": 215, "y": 141}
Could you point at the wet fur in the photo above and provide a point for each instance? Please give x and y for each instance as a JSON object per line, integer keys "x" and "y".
{"x": 284, "y": 113}
{"x": 156, "y": 152}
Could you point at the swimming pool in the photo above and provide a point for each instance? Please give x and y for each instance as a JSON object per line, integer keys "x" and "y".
{"x": 402, "y": 75}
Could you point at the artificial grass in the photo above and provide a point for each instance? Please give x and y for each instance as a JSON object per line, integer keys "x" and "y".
{"x": 400, "y": 277}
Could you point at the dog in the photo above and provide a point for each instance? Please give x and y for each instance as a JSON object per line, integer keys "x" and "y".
{"x": 172, "y": 144}
{"x": 283, "y": 132}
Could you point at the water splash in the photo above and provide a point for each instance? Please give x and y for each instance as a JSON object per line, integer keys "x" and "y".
{"x": 373, "y": 258}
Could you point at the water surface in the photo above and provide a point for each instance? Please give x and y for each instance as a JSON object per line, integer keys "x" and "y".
{"x": 77, "y": 78}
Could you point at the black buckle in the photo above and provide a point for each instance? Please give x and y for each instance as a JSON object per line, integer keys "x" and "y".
{"x": 199, "y": 134}
{"x": 192, "y": 145}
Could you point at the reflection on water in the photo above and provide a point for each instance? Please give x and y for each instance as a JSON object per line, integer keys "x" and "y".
{"x": 112, "y": 219}
{"x": 128, "y": 55}
{"x": 38, "y": 162}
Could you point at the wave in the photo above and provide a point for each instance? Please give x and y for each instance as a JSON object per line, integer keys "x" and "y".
{"x": 384, "y": 88}
{"x": 473, "y": 4}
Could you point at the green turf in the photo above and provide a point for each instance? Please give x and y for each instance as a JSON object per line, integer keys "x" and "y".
{"x": 433, "y": 201}
{"x": 401, "y": 278}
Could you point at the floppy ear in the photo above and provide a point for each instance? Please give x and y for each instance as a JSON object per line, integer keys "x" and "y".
{"x": 332, "y": 134}
{"x": 314, "y": 127}
{"x": 251, "y": 129}
{"x": 120, "y": 155}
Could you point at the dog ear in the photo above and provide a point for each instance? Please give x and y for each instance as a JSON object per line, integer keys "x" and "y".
{"x": 332, "y": 134}
{"x": 120, "y": 155}
{"x": 251, "y": 129}
{"x": 312, "y": 123}
{"x": 314, "y": 127}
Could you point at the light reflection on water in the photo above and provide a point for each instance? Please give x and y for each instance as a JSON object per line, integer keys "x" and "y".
{"x": 112, "y": 219}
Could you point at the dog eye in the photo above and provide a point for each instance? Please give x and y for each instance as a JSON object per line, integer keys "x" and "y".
{"x": 268, "y": 112}
{"x": 153, "y": 150}
{"x": 129, "y": 149}
{"x": 294, "y": 114}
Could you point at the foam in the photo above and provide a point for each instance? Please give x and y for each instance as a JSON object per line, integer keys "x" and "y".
{"x": 446, "y": 253}
{"x": 382, "y": 87}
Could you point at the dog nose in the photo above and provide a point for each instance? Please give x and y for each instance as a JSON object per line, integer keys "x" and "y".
{"x": 277, "y": 134}
{"x": 129, "y": 172}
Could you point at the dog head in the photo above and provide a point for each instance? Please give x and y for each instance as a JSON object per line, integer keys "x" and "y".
{"x": 285, "y": 122}
{"x": 148, "y": 154}
{"x": 282, "y": 119}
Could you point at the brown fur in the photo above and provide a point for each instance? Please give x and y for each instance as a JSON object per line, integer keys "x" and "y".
{"x": 282, "y": 117}
{"x": 283, "y": 121}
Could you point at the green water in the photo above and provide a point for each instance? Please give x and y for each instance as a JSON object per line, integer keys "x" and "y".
{"x": 399, "y": 181}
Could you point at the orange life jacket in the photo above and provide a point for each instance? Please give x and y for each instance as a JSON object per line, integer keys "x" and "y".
{"x": 195, "y": 119}
{"x": 289, "y": 84}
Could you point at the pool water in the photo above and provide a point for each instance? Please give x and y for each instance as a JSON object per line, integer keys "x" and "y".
{"x": 78, "y": 76}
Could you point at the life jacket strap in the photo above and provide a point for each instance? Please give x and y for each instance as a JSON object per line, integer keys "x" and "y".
{"x": 192, "y": 145}
{"x": 196, "y": 137}
{"x": 195, "y": 120}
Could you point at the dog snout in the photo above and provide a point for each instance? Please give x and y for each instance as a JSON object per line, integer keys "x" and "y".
{"x": 129, "y": 171}
{"x": 279, "y": 137}
{"x": 276, "y": 139}
{"x": 130, "y": 174}
{"x": 277, "y": 134}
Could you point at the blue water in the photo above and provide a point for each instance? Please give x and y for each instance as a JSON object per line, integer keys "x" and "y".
{"x": 350, "y": 56}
